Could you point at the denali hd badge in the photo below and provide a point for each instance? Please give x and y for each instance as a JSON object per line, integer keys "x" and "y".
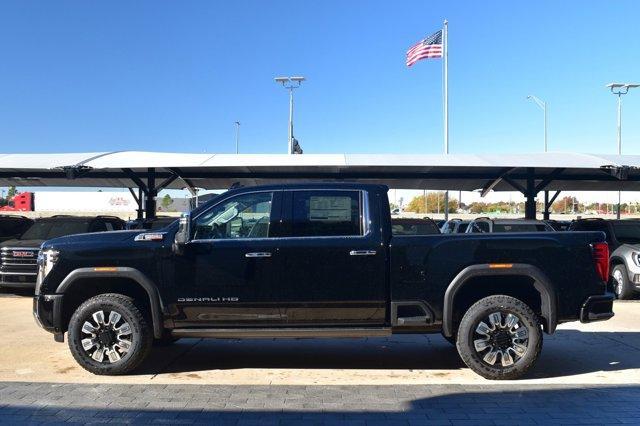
{"x": 23, "y": 253}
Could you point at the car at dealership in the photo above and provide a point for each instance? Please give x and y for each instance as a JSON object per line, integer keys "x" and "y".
{"x": 18, "y": 255}
{"x": 414, "y": 226}
{"x": 455, "y": 226}
{"x": 559, "y": 225}
{"x": 310, "y": 261}
{"x": 623, "y": 237}
{"x": 487, "y": 225}
{"x": 12, "y": 226}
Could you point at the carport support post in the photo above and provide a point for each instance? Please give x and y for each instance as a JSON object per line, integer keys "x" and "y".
{"x": 530, "y": 204}
{"x": 545, "y": 214}
{"x": 152, "y": 193}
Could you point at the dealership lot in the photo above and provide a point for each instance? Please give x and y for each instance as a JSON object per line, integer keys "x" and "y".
{"x": 586, "y": 374}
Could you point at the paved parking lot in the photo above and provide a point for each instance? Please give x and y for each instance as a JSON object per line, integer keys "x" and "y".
{"x": 586, "y": 374}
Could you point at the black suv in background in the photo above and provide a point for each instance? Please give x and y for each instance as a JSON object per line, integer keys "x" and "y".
{"x": 18, "y": 256}
{"x": 13, "y": 226}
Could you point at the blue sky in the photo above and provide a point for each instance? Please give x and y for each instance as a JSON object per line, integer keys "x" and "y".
{"x": 174, "y": 76}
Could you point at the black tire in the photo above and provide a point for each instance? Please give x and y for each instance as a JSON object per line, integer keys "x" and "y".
{"x": 139, "y": 339}
{"x": 622, "y": 287}
{"x": 501, "y": 336}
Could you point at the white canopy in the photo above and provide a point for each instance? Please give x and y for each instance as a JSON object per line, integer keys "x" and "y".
{"x": 500, "y": 172}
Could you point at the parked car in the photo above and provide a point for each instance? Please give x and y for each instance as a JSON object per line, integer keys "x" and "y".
{"x": 18, "y": 256}
{"x": 408, "y": 226}
{"x": 440, "y": 223}
{"x": 623, "y": 237}
{"x": 157, "y": 222}
{"x": 315, "y": 260}
{"x": 559, "y": 225}
{"x": 484, "y": 224}
{"x": 455, "y": 226}
{"x": 12, "y": 226}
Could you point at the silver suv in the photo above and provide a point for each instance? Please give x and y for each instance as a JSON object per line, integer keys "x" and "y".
{"x": 484, "y": 224}
{"x": 623, "y": 237}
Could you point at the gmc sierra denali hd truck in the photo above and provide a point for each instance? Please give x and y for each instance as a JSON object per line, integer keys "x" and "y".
{"x": 315, "y": 260}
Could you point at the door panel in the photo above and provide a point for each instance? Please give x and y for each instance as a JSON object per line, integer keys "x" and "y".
{"x": 331, "y": 279}
{"x": 227, "y": 274}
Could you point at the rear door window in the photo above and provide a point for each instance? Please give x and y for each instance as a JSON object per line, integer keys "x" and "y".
{"x": 326, "y": 214}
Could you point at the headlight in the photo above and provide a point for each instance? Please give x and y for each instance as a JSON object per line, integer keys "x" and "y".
{"x": 46, "y": 261}
{"x": 636, "y": 258}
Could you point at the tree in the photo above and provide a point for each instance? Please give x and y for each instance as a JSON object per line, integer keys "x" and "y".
{"x": 434, "y": 203}
{"x": 12, "y": 192}
{"x": 167, "y": 201}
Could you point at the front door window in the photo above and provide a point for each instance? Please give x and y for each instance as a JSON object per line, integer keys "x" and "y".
{"x": 244, "y": 216}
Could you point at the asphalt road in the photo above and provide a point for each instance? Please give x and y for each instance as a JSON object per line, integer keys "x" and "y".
{"x": 586, "y": 374}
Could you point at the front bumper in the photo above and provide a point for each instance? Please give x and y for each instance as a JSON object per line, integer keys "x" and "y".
{"x": 47, "y": 311}
{"x": 17, "y": 279}
{"x": 597, "y": 308}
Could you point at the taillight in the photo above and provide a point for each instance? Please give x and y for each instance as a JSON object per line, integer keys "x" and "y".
{"x": 601, "y": 259}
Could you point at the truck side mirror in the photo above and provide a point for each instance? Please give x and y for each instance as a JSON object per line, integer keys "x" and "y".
{"x": 184, "y": 232}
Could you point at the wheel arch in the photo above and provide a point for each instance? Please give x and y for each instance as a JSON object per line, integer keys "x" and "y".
{"x": 76, "y": 276}
{"x": 541, "y": 284}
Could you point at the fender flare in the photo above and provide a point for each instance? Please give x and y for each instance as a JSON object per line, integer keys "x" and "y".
{"x": 121, "y": 272}
{"x": 542, "y": 284}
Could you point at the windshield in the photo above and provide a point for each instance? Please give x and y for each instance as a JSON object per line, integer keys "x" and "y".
{"x": 462, "y": 228}
{"x": 161, "y": 223}
{"x": 426, "y": 228}
{"x": 48, "y": 229}
{"x": 520, "y": 227}
{"x": 627, "y": 233}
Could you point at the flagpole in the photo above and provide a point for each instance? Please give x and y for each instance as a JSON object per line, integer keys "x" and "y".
{"x": 445, "y": 79}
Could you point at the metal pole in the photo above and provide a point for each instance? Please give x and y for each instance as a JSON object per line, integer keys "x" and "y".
{"x": 619, "y": 146}
{"x": 291, "y": 120}
{"x": 237, "y": 135}
{"x": 445, "y": 64}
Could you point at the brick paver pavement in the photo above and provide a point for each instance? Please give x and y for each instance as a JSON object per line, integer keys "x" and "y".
{"x": 24, "y": 403}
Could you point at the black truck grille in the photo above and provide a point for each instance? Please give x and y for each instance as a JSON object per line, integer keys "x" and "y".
{"x": 18, "y": 261}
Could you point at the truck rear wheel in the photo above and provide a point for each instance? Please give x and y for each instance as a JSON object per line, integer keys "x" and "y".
{"x": 499, "y": 338}
{"x": 109, "y": 335}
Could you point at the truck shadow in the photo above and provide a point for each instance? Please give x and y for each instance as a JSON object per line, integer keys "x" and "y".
{"x": 566, "y": 353}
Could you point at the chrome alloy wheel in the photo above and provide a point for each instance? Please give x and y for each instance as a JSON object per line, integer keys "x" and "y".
{"x": 111, "y": 337}
{"x": 619, "y": 279}
{"x": 505, "y": 337}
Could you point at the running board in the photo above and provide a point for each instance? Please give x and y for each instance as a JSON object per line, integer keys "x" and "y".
{"x": 249, "y": 333}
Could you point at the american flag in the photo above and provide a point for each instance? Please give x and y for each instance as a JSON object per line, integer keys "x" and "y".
{"x": 430, "y": 47}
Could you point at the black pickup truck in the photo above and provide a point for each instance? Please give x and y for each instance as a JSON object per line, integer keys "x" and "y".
{"x": 315, "y": 260}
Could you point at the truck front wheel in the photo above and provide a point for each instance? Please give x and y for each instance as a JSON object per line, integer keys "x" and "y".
{"x": 499, "y": 338}
{"x": 109, "y": 335}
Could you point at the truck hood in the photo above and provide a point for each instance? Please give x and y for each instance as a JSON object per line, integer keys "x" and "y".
{"x": 22, "y": 243}
{"x": 93, "y": 237}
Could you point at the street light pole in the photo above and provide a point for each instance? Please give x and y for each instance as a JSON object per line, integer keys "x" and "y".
{"x": 543, "y": 106}
{"x": 237, "y": 135}
{"x": 620, "y": 89}
{"x": 290, "y": 83}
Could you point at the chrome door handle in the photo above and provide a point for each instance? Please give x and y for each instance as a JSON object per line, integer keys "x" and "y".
{"x": 362, "y": 253}
{"x": 258, "y": 254}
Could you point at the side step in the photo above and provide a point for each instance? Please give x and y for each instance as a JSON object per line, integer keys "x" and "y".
{"x": 251, "y": 333}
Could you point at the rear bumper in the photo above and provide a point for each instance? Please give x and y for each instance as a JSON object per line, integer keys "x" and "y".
{"x": 597, "y": 308}
{"x": 47, "y": 311}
